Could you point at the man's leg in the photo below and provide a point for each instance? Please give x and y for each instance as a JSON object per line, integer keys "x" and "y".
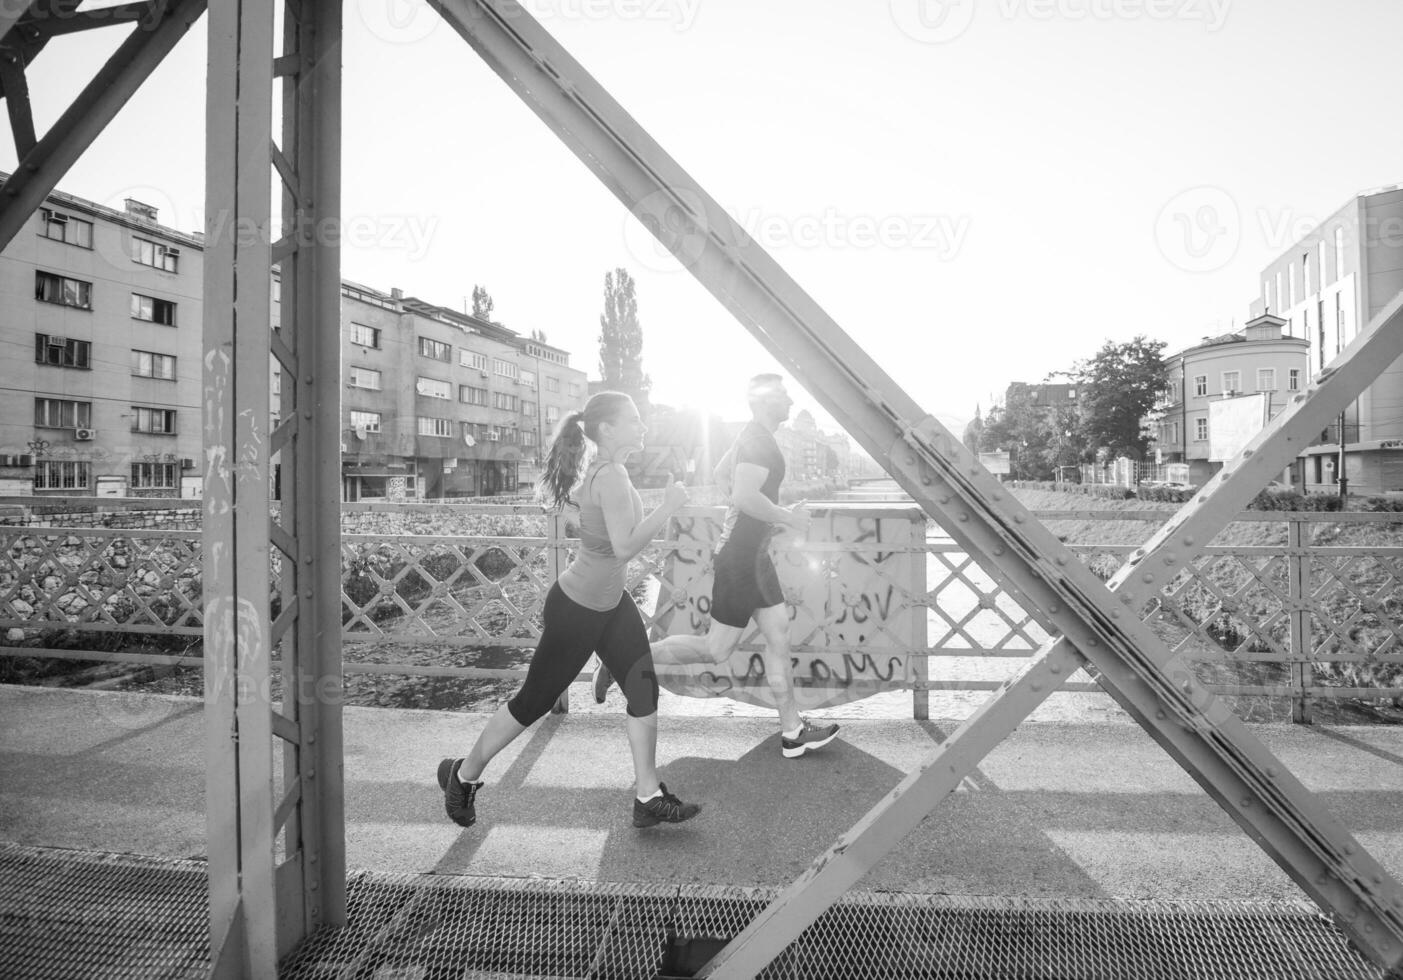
{"x": 797, "y": 737}
{"x": 779, "y": 672}
{"x": 719, "y": 643}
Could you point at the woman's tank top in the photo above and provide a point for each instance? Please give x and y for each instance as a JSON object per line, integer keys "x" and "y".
{"x": 596, "y": 578}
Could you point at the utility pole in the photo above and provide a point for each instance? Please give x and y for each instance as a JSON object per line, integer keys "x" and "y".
{"x": 1340, "y": 465}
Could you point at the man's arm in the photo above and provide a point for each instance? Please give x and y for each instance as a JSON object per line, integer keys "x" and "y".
{"x": 746, "y": 495}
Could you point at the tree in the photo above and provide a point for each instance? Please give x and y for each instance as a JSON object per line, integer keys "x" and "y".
{"x": 1118, "y": 388}
{"x": 974, "y": 432}
{"x": 621, "y": 339}
{"x": 482, "y": 304}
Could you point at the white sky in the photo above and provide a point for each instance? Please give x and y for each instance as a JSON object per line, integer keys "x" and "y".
{"x": 1046, "y": 174}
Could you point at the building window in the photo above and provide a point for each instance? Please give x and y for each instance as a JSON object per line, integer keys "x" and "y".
{"x": 154, "y": 476}
{"x": 436, "y": 349}
{"x": 1266, "y": 295}
{"x": 1266, "y": 379}
{"x": 469, "y": 395}
{"x": 61, "y": 351}
{"x": 435, "y": 427}
{"x": 574, "y": 387}
{"x": 65, "y": 228}
{"x": 504, "y": 369}
{"x": 1200, "y": 430}
{"x": 1293, "y": 379}
{"x": 528, "y": 378}
{"x": 359, "y": 377}
{"x": 277, "y": 381}
{"x": 528, "y": 438}
{"x": 148, "y": 365}
{"x": 1171, "y": 432}
{"x": 433, "y": 388}
{"x": 528, "y": 409}
{"x": 1339, "y": 253}
{"x": 502, "y": 400}
{"x": 52, "y": 474}
{"x": 156, "y": 421}
{"x": 472, "y": 359}
{"x": 1291, "y": 272}
{"x": 552, "y": 414}
{"x": 1305, "y": 276}
{"x": 365, "y": 336}
{"x": 1232, "y": 382}
{"x": 367, "y": 421}
{"x": 552, "y": 384}
{"x": 156, "y": 254}
{"x": 1339, "y": 324}
{"x": 1201, "y": 385}
{"x": 50, "y": 288}
{"x": 156, "y": 310}
{"x": 59, "y": 413}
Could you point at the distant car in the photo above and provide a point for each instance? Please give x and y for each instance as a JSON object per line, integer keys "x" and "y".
{"x": 1276, "y": 486}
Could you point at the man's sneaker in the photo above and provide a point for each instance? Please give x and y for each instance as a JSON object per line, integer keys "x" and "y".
{"x": 810, "y": 737}
{"x": 602, "y": 680}
{"x": 458, "y": 797}
{"x": 663, "y": 809}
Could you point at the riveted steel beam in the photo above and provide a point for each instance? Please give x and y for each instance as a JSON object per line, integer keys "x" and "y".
{"x": 44, "y": 165}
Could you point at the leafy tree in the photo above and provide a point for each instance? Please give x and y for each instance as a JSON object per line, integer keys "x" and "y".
{"x": 482, "y": 304}
{"x": 621, "y": 339}
{"x": 974, "y": 431}
{"x": 1118, "y": 387}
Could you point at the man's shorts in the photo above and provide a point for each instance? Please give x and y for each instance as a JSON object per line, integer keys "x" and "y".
{"x": 745, "y": 581}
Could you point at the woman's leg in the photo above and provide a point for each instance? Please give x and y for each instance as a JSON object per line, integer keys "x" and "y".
{"x": 623, "y": 647}
{"x": 568, "y": 635}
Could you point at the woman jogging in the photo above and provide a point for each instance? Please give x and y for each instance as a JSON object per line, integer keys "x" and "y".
{"x": 588, "y": 610}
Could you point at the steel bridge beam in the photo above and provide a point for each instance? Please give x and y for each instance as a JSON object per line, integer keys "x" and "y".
{"x": 44, "y": 164}
{"x": 1155, "y": 687}
{"x": 277, "y": 858}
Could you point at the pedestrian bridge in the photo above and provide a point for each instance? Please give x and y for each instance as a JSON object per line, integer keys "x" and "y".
{"x": 1074, "y": 850}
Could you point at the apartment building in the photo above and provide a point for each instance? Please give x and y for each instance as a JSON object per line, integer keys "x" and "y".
{"x": 1327, "y": 286}
{"x": 100, "y": 391}
{"x": 102, "y": 334}
{"x": 439, "y": 403}
{"x": 1259, "y": 359}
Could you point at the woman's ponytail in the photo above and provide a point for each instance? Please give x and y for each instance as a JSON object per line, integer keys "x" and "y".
{"x": 565, "y": 460}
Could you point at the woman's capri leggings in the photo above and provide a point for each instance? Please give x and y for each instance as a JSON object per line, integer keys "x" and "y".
{"x": 569, "y": 635}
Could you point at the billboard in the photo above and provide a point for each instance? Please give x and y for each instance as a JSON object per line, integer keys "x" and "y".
{"x": 996, "y": 463}
{"x": 1232, "y": 422}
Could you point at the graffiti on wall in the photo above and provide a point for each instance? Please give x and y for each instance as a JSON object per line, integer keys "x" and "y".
{"x": 849, "y": 589}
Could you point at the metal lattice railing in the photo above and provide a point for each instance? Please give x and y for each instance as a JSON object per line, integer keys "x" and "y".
{"x": 80, "y": 914}
{"x": 879, "y": 604}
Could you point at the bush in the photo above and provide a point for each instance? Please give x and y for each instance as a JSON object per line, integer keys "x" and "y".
{"x": 1294, "y": 500}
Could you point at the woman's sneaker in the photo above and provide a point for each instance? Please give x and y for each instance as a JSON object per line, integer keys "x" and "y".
{"x": 602, "y": 680}
{"x": 458, "y": 797}
{"x": 810, "y": 737}
{"x": 663, "y": 809}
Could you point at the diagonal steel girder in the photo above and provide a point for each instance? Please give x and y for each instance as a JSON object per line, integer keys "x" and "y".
{"x": 1156, "y": 687}
{"x": 40, "y": 170}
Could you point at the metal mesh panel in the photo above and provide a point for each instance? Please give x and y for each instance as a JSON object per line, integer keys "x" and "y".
{"x": 73, "y": 913}
{"x": 70, "y": 914}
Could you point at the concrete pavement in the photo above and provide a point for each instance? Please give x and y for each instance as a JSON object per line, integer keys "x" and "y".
{"x": 1060, "y": 809}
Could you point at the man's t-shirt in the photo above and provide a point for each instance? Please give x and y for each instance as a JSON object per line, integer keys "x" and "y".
{"x": 756, "y": 445}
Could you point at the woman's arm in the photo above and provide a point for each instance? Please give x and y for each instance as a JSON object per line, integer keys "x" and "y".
{"x": 614, "y": 491}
